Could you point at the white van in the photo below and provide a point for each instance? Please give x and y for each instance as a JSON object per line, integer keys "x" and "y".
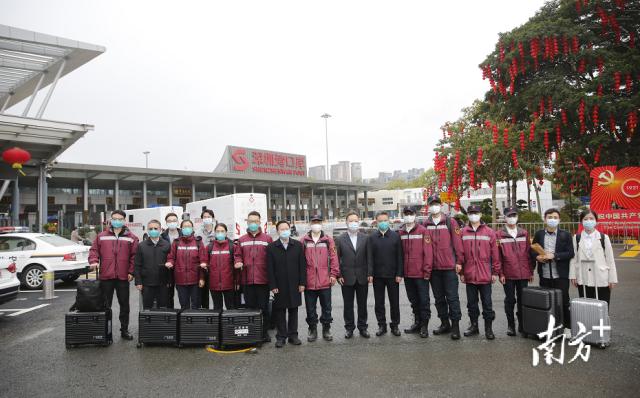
{"x": 137, "y": 219}
{"x": 231, "y": 210}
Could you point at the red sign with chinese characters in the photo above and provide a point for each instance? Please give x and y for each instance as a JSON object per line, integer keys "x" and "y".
{"x": 258, "y": 161}
{"x": 616, "y": 189}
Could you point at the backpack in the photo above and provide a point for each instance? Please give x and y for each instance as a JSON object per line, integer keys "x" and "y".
{"x": 89, "y": 296}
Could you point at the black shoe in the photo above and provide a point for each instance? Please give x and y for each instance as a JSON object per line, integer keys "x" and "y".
{"x": 488, "y": 331}
{"x": 266, "y": 339}
{"x": 365, "y": 333}
{"x": 424, "y": 329}
{"x": 413, "y": 329}
{"x": 381, "y": 330}
{"x": 280, "y": 343}
{"x": 348, "y": 334}
{"x": 511, "y": 330}
{"x": 126, "y": 335}
{"x": 326, "y": 332}
{"x": 444, "y": 328}
{"x": 294, "y": 340}
{"x": 313, "y": 334}
{"x": 472, "y": 330}
{"x": 455, "y": 330}
{"x": 395, "y": 331}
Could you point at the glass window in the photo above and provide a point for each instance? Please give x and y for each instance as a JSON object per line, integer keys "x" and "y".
{"x": 55, "y": 240}
{"x": 14, "y": 243}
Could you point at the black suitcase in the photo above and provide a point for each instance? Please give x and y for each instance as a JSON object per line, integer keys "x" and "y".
{"x": 88, "y": 328}
{"x": 199, "y": 327}
{"x": 538, "y": 303}
{"x": 158, "y": 326}
{"x": 241, "y": 327}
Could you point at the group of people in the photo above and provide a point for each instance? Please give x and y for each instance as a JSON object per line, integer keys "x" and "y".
{"x": 436, "y": 254}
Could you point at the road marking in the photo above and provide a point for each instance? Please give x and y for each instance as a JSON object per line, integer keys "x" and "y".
{"x": 630, "y": 253}
{"x": 34, "y": 335}
{"x": 55, "y": 290}
{"x": 25, "y": 310}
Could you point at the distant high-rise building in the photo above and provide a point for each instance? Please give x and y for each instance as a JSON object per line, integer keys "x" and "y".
{"x": 317, "y": 172}
{"x": 341, "y": 171}
{"x": 356, "y": 172}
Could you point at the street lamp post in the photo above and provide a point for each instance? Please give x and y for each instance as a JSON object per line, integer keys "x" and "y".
{"x": 326, "y": 117}
{"x": 146, "y": 158}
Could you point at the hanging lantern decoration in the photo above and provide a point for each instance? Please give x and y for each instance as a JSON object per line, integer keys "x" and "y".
{"x": 582, "y": 66}
{"x": 616, "y": 82}
{"x": 563, "y": 116}
{"x": 542, "y": 107}
{"x": 505, "y": 138}
{"x": 534, "y": 48}
{"x": 558, "y": 136}
{"x": 546, "y": 141}
{"x": 522, "y": 142}
{"x": 575, "y": 46}
{"x": 532, "y": 132}
{"x": 632, "y": 122}
{"x": 628, "y": 83}
{"x": 16, "y": 157}
{"x": 596, "y": 157}
{"x": 565, "y": 45}
{"x": 479, "y": 160}
{"x": 594, "y": 116}
{"x": 514, "y": 157}
{"x": 600, "y": 64}
{"x": 600, "y": 90}
{"x": 495, "y": 135}
{"x": 472, "y": 176}
{"x": 581, "y": 108}
{"x": 501, "y": 51}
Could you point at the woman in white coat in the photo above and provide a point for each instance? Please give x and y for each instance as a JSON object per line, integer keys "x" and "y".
{"x": 593, "y": 264}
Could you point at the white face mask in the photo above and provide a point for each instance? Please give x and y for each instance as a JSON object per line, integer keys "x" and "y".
{"x": 553, "y": 222}
{"x": 208, "y": 221}
{"x": 435, "y": 209}
{"x": 316, "y": 228}
{"x": 353, "y": 226}
{"x": 409, "y": 219}
{"x": 512, "y": 220}
{"x": 474, "y": 218}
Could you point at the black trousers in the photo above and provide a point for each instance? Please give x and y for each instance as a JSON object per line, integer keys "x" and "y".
{"x": 472, "y": 302}
{"x": 286, "y": 327}
{"x": 418, "y": 295}
{"x": 360, "y": 292}
{"x": 171, "y": 296}
{"x": 444, "y": 284}
{"x": 604, "y": 293}
{"x": 562, "y": 284}
{"x": 512, "y": 295}
{"x": 311, "y": 303}
{"x": 121, "y": 289}
{"x": 257, "y": 297}
{"x": 154, "y": 293}
{"x": 204, "y": 294}
{"x": 393, "y": 292}
{"x": 189, "y": 296}
{"x": 227, "y": 295}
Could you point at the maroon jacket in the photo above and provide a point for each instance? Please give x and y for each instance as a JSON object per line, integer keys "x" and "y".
{"x": 481, "y": 257}
{"x": 221, "y": 265}
{"x": 115, "y": 254}
{"x": 514, "y": 254}
{"x": 322, "y": 261}
{"x": 446, "y": 243}
{"x": 251, "y": 251}
{"x": 417, "y": 251}
{"x": 186, "y": 255}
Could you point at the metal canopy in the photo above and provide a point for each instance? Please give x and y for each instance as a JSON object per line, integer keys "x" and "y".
{"x": 30, "y": 61}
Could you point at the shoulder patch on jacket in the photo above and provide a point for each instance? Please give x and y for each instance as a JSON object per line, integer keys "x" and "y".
{"x": 458, "y": 230}
{"x": 427, "y": 239}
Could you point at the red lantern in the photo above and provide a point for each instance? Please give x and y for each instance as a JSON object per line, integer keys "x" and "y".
{"x": 495, "y": 135}
{"x": 558, "y": 136}
{"x": 616, "y": 82}
{"x": 16, "y": 157}
{"x": 600, "y": 90}
{"x": 594, "y": 116}
{"x": 514, "y": 157}
{"x": 522, "y": 143}
{"x": 581, "y": 108}
{"x": 479, "y": 160}
{"x": 505, "y": 138}
{"x": 546, "y": 141}
{"x": 563, "y": 116}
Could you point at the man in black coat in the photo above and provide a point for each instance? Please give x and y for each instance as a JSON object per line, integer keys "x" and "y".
{"x": 351, "y": 248}
{"x": 287, "y": 269}
{"x": 386, "y": 266}
{"x": 553, "y": 266}
{"x": 151, "y": 276}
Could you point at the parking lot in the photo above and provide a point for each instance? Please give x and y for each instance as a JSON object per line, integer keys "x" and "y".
{"x": 36, "y": 363}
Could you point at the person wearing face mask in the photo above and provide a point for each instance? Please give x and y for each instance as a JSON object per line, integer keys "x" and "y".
{"x": 250, "y": 258}
{"x": 593, "y": 265}
{"x": 517, "y": 266}
{"x": 351, "y": 249}
{"x": 113, "y": 252}
{"x": 221, "y": 271}
{"x": 386, "y": 266}
{"x": 480, "y": 268}
{"x": 418, "y": 260}
{"x": 447, "y": 249}
{"x": 207, "y": 234}
{"x": 170, "y": 234}
{"x": 150, "y": 274}
{"x": 322, "y": 273}
{"x": 188, "y": 259}
{"x": 287, "y": 276}
{"x": 553, "y": 266}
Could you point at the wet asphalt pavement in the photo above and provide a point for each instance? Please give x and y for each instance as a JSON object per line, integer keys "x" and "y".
{"x": 35, "y": 362}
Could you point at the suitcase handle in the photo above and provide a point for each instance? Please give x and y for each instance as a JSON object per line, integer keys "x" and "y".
{"x": 584, "y": 282}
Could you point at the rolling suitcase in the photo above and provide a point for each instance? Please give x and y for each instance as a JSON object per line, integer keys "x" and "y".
{"x": 241, "y": 327}
{"x": 158, "y": 326}
{"x": 538, "y": 303}
{"x": 88, "y": 328}
{"x": 199, "y": 327}
{"x": 594, "y": 315}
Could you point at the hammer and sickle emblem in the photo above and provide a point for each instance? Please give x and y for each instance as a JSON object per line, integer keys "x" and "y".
{"x": 607, "y": 176}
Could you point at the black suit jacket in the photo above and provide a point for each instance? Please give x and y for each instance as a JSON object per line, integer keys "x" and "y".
{"x": 563, "y": 254}
{"x": 353, "y": 262}
{"x": 287, "y": 269}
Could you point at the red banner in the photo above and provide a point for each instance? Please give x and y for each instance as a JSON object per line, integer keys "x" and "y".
{"x": 614, "y": 189}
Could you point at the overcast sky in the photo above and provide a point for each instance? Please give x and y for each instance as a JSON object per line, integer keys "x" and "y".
{"x": 183, "y": 79}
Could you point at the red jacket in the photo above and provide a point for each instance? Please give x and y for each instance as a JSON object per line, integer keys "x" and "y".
{"x": 417, "y": 251}
{"x": 514, "y": 254}
{"x": 446, "y": 243}
{"x": 221, "y": 265}
{"x": 322, "y": 261}
{"x": 251, "y": 251}
{"x": 481, "y": 257}
{"x": 186, "y": 255}
{"x": 115, "y": 254}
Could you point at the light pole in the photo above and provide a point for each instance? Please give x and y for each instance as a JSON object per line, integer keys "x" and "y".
{"x": 146, "y": 158}
{"x": 326, "y": 117}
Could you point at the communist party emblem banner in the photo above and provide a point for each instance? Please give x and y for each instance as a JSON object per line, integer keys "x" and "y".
{"x": 615, "y": 194}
